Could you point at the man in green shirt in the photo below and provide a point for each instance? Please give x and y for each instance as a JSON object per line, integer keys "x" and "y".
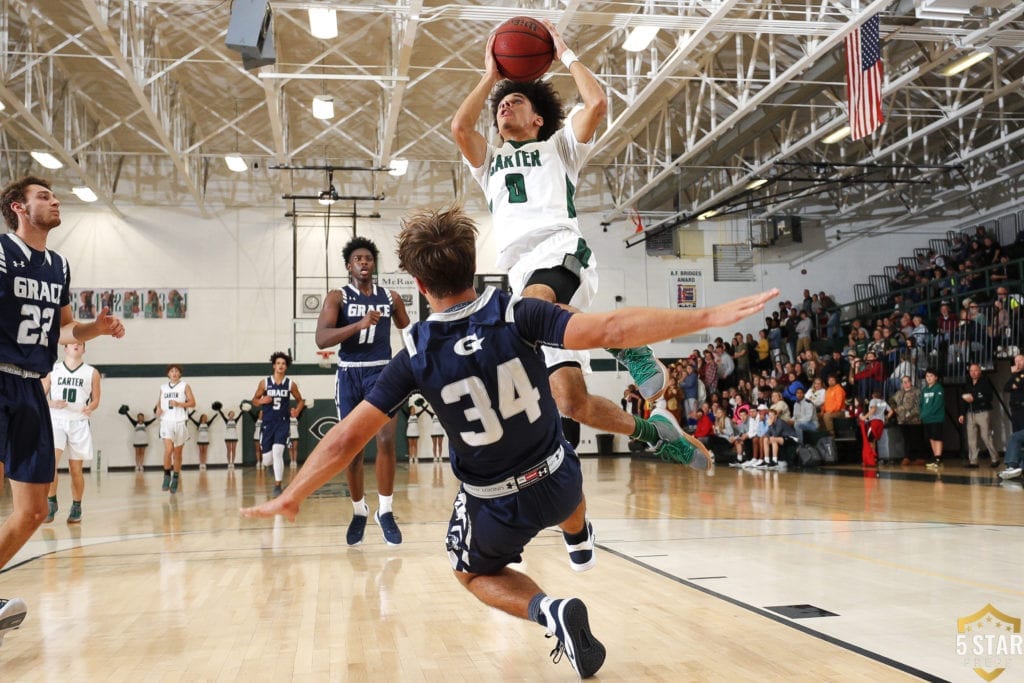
{"x": 933, "y": 412}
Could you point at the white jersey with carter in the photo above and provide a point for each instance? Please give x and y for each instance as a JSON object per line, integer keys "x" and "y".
{"x": 530, "y": 188}
{"x": 73, "y": 386}
{"x": 173, "y": 392}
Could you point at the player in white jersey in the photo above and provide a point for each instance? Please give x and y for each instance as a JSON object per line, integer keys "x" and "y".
{"x": 172, "y": 407}
{"x": 73, "y": 393}
{"x": 530, "y": 182}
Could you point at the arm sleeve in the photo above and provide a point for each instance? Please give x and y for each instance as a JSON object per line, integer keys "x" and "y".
{"x": 541, "y": 322}
{"x": 393, "y": 386}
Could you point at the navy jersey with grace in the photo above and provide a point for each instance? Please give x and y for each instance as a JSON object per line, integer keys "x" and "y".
{"x": 373, "y": 343}
{"x": 481, "y": 369}
{"x": 34, "y": 286}
{"x": 278, "y": 410}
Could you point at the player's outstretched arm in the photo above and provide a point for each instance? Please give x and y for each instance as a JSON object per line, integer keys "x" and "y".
{"x": 332, "y": 455}
{"x": 628, "y": 327}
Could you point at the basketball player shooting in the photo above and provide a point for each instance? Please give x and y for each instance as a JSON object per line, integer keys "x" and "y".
{"x": 529, "y": 182}
{"x": 477, "y": 361}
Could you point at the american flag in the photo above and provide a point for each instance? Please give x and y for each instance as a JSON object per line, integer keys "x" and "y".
{"x": 864, "y": 79}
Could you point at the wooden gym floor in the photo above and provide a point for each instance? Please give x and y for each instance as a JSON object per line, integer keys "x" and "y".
{"x": 692, "y": 583}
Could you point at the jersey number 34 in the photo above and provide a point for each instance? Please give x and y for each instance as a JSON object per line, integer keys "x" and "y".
{"x": 516, "y": 394}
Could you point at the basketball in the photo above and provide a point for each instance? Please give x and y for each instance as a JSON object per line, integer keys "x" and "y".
{"x": 523, "y": 49}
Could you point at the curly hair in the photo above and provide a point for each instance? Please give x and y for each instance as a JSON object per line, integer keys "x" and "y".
{"x": 542, "y": 96}
{"x": 281, "y": 354}
{"x": 359, "y": 243}
{"x": 15, "y": 192}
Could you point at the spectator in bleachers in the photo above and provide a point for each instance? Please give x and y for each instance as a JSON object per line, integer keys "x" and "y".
{"x": 946, "y": 323}
{"x": 805, "y": 415}
{"x": 724, "y": 435}
{"x": 803, "y": 330}
{"x": 1001, "y": 272}
{"x": 990, "y": 252}
{"x": 709, "y": 372}
{"x": 741, "y": 357}
{"x": 743, "y": 440}
{"x": 877, "y": 344}
{"x": 836, "y": 366}
{"x": 867, "y": 374}
{"x": 764, "y": 352}
{"x": 816, "y": 394}
{"x": 726, "y": 366}
{"x": 780, "y": 406}
{"x": 834, "y": 405}
{"x": 779, "y": 433}
{"x": 704, "y": 428}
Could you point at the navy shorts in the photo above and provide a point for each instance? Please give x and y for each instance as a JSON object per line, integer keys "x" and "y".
{"x": 26, "y": 433}
{"x": 352, "y": 386}
{"x": 274, "y": 434}
{"x": 487, "y": 534}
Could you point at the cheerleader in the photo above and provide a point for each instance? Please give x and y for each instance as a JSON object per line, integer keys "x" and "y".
{"x": 230, "y": 433}
{"x": 202, "y": 436}
{"x": 436, "y": 436}
{"x": 412, "y": 425}
{"x": 140, "y": 436}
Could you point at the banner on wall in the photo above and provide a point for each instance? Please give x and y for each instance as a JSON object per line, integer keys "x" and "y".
{"x": 131, "y": 304}
{"x": 405, "y": 285}
{"x": 685, "y": 288}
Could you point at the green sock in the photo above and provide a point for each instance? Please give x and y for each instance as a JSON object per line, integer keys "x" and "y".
{"x": 645, "y": 431}
{"x": 52, "y": 499}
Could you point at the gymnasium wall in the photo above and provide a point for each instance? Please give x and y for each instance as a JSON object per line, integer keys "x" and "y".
{"x": 237, "y": 268}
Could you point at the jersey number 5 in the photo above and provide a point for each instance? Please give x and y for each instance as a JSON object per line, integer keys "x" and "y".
{"x": 35, "y": 325}
{"x": 515, "y": 395}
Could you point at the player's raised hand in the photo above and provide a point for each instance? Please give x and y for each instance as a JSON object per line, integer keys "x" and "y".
{"x": 556, "y": 37}
{"x": 108, "y": 324}
{"x": 490, "y": 64}
{"x": 738, "y": 309}
{"x": 276, "y": 506}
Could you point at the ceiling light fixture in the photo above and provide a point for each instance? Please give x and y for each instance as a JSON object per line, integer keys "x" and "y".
{"x": 323, "y": 107}
{"x": 398, "y": 167}
{"x": 84, "y": 193}
{"x": 328, "y": 196}
{"x": 323, "y": 23}
{"x": 47, "y": 160}
{"x": 236, "y": 163}
{"x": 639, "y": 38}
{"x": 756, "y": 183}
{"x": 841, "y": 134}
{"x": 707, "y": 214}
{"x": 967, "y": 62}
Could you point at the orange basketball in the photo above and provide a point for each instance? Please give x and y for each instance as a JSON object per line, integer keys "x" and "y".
{"x": 523, "y": 49}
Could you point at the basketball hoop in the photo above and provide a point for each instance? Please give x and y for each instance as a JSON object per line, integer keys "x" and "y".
{"x": 325, "y": 358}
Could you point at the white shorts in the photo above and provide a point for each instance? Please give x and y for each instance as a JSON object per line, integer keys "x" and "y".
{"x": 550, "y": 253}
{"x": 173, "y": 430}
{"x": 73, "y": 437}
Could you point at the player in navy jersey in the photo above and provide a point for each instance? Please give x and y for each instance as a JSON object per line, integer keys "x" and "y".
{"x": 35, "y": 317}
{"x": 477, "y": 360}
{"x": 358, "y": 319}
{"x": 275, "y": 394}
{"x": 530, "y": 182}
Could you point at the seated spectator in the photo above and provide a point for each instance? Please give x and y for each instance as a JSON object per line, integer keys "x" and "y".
{"x": 834, "y": 405}
{"x": 1001, "y": 272}
{"x": 792, "y": 385}
{"x": 805, "y": 415}
{"x": 724, "y": 434}
{"x": 836, "y": 366}
{"x": 779, "y": 433}
{"x": 704, "y": 428}
{"x": 757, "y": 428}
{"x": 816, "y": 394}
{"x": 743, "y": 434}
{"x": 780, "y": 406}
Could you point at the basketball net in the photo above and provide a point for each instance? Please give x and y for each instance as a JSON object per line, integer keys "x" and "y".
{"x": 325, "y": 358}
{"x": 638, "y": 221}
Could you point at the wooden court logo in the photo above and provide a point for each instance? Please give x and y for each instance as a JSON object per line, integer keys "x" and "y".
{"x": 988, "y": 640}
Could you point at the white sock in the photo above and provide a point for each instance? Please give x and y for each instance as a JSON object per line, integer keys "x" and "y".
{"x": 360, "y": 507}
{"x": 385, "y": 502}
{"x": 278, "y": 455}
